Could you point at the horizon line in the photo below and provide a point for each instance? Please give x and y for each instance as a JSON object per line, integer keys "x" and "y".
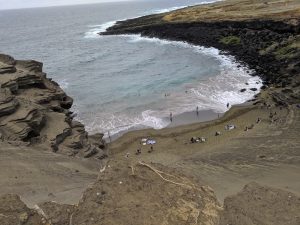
{"x": 71, "y": 4}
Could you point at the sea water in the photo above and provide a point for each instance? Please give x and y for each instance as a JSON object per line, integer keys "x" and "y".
{"x": 123, "y": 82}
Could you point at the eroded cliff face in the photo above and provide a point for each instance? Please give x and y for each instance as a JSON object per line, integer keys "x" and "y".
{"x": 34, "y": 110}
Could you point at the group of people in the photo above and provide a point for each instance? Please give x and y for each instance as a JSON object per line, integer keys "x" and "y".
{"x": 139, "y": 150}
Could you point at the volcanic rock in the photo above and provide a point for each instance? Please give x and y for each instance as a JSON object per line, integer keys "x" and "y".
{"x": 34, "y": 109}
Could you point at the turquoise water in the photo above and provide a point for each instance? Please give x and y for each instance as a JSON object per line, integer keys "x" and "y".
{"x": 122, "y": 82}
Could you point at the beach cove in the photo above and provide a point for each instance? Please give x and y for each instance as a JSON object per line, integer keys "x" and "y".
{"x": 232, "y": 176}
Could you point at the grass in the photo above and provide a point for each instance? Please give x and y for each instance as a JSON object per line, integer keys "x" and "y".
{"x": 237, "y": 10}
{"x": 230, "y": 40}
{"x": 289, "y": 51}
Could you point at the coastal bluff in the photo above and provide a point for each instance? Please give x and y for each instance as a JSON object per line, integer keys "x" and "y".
{"x": 34, "y": 110}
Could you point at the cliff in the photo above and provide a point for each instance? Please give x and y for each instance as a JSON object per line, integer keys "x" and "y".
{"x": 35, "y": 111}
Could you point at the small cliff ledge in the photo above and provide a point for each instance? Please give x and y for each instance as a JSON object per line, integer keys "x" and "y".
{"x": 34, "y": 110}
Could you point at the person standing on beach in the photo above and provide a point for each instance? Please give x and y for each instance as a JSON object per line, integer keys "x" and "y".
{"x": 227, "y": 105}
{"x": 171, "y": 117}
{"x": 197, "y": 111}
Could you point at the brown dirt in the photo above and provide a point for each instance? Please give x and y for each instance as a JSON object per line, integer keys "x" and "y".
{"x": 237, "y": 10}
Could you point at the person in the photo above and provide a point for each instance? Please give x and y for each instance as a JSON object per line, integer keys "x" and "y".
{"x": 138, "y": 151}
{"x": 171, "y": 117}
{"x": 151, "y": 149}
{"x": 258, "y": 120}
{"x": 197, "y": 111}
{"x": 109, "y": 137}
{"x": 227, "y": 105}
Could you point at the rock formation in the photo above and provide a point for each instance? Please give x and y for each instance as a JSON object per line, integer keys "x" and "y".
{"x": 35, "y": 110}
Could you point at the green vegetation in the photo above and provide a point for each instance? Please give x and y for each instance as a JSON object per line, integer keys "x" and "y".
{"x": 237, "y": 10}
{"x": 230, "y": 40}
{"x": 271, "y": 48}
{"x": 289, "y": 51}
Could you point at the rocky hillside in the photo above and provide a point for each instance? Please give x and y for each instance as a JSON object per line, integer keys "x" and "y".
{"x": 34, "y": 110}
{"x": 151, "y": 194}
{"x": 263, "y": 34}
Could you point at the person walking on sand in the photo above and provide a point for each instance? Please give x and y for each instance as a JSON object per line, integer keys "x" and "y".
{"x": 151, "y": 149}
{"x": 171, "y": 117}
{"x": 197, "y": 111}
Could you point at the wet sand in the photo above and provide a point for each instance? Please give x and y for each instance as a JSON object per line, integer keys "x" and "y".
{"x": 188, "y": 118}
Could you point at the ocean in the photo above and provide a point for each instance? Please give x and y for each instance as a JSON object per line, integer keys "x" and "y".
{"x": 123, "y": 82}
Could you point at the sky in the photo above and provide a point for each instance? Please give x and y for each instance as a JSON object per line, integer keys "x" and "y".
{"x": 16, "y": 4}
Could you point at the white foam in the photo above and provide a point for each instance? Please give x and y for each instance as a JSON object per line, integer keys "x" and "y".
{"x": 96, "y": 29}
{"x": 213, "y": 93}
{"x": 225, "y": 60}
{"x": 217, "y": 91}
{"x": 104, "y": 122}
{"x": 63, "y": 84}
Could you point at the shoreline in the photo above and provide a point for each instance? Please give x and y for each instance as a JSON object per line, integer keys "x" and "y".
{"x": 176, "y": 181}
{"x": 182, "y": 119}
{"x": 225, "y": 59}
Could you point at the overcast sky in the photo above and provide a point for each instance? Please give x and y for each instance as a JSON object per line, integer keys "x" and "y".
{"x": 15, "y": 4}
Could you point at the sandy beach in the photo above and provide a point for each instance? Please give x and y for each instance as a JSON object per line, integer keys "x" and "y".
{"x": 245, "y": 175}
{"x": 231, "y": 160}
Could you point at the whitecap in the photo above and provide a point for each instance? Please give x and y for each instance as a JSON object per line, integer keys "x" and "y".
{"x": 96, "y": 29}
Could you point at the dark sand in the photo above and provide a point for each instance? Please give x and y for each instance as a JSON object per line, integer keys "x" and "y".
{"x": 267, "y": 154}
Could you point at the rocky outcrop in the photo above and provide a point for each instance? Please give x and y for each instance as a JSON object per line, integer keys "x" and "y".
{"x": 35, "y": 110}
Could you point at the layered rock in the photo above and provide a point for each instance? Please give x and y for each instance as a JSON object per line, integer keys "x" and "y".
{"x": 35, "y": 110}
